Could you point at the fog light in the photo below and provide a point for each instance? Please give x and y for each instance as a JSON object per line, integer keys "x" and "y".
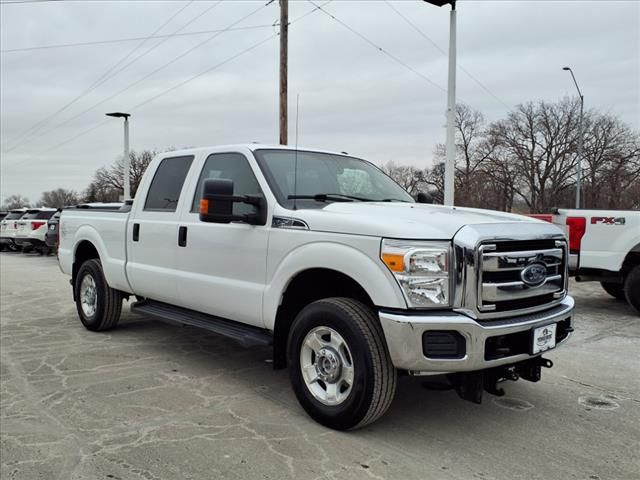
{"x": 443, "y": 344}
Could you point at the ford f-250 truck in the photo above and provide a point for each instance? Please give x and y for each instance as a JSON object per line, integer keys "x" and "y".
{"x": 324, "y": 257}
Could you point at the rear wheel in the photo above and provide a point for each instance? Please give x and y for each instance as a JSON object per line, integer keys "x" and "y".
{"x": 339, "y": 366}
{"x": 99, "y": 306}
{"x": 616, "y": 290}
{"x": 632, "y": 288}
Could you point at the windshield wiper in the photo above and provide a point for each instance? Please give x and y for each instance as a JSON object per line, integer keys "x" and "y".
{"x": 393, "y": 200}
{"x": 329, "y": 197}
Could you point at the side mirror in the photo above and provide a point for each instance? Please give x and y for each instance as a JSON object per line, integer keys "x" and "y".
{"x": 216, "y": 204}
{"x": 424, "y": 197}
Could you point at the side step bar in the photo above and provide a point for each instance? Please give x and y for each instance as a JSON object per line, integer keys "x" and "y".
{"x": 245, "y": 335}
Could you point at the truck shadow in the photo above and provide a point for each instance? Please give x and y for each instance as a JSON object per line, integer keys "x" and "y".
{"x": 198, "y": 355}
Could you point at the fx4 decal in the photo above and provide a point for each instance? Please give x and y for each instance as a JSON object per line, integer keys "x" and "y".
{"x": 608, "y": 220}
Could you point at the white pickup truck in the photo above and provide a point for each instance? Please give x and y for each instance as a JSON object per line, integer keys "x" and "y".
{"x": 324, "y": 257}
{"x": 604, "y": 246}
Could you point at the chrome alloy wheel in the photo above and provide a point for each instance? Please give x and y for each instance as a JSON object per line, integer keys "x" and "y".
{"x": 88, "y": 296}
{"x": 327, "y": 366}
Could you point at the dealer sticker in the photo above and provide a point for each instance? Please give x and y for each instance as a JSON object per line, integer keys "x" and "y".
{"x": 544, "y": 338}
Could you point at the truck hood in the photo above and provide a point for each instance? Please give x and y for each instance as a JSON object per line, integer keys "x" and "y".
{"x": 400, "y": 220}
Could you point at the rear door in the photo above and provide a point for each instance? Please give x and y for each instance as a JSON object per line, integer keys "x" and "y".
{"x": 223, "y": 265}
{"x": 152, "y": 231}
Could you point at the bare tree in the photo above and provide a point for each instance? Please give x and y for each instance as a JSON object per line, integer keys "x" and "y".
{"x": 434, "y": 178}
{"x": 15, "y": 201}
{"x": 612, "y": 158}
{"x": 59, "y": 198}
{"x": 108, "y": 182}
{"x": 541, "y": 140}
{"x": 408, "y": 177}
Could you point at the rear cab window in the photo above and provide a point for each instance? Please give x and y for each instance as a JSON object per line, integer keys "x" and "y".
{"x": 165, "y": 188}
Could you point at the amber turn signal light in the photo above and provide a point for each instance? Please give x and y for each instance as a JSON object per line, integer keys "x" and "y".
{"x": 393, "y": 261}
{"x": 204, "y": 206}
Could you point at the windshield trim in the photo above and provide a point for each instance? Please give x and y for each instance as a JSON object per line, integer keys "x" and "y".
{"x": 283, "y": 200}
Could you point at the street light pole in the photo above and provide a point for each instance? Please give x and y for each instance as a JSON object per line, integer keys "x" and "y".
{"x": 127, "y": 161}
{"x": 126, "y": 184}
{"x": 450, "y": 165}
{"x": 580, "y": 140}
{"x": 450, "y": 146}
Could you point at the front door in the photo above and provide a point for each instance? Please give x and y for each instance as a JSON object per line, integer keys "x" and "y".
{"x": 223, "y": 265}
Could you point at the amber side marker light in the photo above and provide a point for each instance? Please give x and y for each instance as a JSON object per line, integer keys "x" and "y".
{"x": 204, "y": 206}
{"x": 393, "y": 261}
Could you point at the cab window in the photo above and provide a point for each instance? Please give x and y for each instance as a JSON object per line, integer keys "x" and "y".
{"x": 166, "y": 185}
{"x": 232, "y": 166}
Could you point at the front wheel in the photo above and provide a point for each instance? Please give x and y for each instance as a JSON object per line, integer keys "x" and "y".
{"x": 339, "y": 365}
{"x": 632, "y": 288}
{"x": 99, "y": 306}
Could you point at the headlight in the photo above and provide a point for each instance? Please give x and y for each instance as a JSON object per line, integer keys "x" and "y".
{"x": 421, "y": 269}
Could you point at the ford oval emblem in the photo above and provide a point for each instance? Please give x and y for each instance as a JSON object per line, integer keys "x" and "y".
{"x": 534, "y": 275}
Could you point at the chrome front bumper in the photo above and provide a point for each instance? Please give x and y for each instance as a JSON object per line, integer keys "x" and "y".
{"x": 404, "y": 337}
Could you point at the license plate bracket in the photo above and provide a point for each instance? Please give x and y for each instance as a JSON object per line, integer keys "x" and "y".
{"x": 543, "y": 338}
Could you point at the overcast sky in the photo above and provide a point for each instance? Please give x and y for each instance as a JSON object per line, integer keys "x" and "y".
{"x": 353, "y": 98}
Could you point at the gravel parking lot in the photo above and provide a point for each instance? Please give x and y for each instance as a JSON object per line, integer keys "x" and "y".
{"x": 154, "y": 401}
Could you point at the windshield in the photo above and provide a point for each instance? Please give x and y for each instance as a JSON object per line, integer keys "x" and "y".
{"x": 327, "y": 177}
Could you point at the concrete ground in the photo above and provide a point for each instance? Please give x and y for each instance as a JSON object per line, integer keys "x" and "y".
{"x": 153, "y": 401}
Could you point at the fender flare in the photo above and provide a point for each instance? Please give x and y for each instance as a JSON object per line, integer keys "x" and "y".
{"x": 376, "y": 280}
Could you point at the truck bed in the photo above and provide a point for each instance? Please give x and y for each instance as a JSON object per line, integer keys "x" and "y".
{"x": 104, "y": 225}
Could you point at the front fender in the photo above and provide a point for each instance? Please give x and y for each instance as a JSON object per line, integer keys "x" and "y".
{"x": 372, "y": 276}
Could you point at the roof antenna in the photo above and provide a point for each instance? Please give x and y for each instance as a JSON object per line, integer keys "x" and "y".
{"x": 295, "y": 168}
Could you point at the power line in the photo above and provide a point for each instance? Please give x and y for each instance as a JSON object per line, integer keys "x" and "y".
{"x": 99, "y": 81}
{"x": 131, "y": 85}
{"x": 180, "y": 84}
{"x": 130, "y": 39}
{"x": 425, "y": 36}
{"x": 379, "y": 48}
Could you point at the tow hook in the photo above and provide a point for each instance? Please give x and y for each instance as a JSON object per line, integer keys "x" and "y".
{"x": 470, "y": 385}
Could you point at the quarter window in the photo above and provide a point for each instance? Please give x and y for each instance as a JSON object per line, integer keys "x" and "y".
{"x": 167, "y": 182}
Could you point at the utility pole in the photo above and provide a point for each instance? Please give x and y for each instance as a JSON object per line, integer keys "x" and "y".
{"x": 284, "y": 39}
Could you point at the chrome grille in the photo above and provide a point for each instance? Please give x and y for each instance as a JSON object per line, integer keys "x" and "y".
{"x": 520, "y": 275}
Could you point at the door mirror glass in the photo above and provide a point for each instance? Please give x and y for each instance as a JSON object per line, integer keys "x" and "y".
{"x": 216, "y": 204}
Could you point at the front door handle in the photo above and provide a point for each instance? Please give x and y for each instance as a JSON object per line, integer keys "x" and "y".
{"x": 182, "y": 237}
{"x": 136, "y": 232}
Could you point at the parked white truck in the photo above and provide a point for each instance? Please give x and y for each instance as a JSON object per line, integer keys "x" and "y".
{"x": 604, "y": 246}
{"x": 327, "y": 259}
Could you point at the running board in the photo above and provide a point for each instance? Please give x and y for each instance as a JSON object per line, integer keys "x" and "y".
{"x": 245, "y": 335}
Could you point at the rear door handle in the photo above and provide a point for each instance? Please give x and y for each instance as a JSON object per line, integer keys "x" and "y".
{"x": 136, "y": 232}
{"x": 182, "y": 237}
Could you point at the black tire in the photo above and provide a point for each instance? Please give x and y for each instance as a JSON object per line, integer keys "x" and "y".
{"x": 13, "y": 247}
{"x": 616, "y": 290}
{"x": 632, "y": 288}
{"x": 27, "y": 249}
{"x": 374, "y": 379}
{"x": 108, "y": 301}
